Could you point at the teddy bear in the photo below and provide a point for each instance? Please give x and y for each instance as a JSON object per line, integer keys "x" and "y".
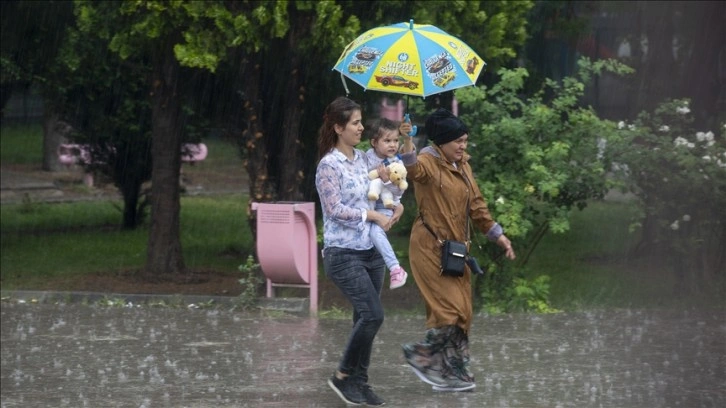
{"x": 397, "y": 175}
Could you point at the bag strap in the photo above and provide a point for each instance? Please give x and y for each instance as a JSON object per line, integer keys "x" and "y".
{"x": 468, "y": 195}
{"x": 429, "y": 228}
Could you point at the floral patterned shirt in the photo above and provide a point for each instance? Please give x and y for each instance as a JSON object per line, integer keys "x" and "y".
{"x": 342, "y": 185}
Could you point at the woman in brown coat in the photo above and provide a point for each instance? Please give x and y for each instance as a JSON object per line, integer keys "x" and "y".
{"x": 444, "y": 185}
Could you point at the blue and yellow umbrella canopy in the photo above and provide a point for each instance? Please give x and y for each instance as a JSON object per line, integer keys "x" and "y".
{"x": 409, "y": 59}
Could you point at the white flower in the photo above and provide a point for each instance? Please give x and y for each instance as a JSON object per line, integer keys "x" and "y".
{"x": 683, "y": 110}
{"x": 691, "y": 145}
{"x": 686, "y": 217}
{"x": 707, "y": 158}
{"x": 500, "y": 200}
{"x": 705, "y": 137}
{"x": 720, "y": 163}
{"x": 664, "y": 128}
{"x": 621, "y": 125}
{"x": 631, "y": 127}
{"x": 680, "y": 141}
{"x": 674, "y": 226}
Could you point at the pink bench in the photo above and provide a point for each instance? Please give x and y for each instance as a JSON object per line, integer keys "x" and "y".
{"x": 70, "y": 154}
{"x": 194, "y": 152}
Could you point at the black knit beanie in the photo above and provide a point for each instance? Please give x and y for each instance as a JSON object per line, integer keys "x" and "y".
{"x": 443, "y": 126}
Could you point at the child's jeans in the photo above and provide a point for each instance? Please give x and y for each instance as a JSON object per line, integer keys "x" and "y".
{"x": 380, "y": 241}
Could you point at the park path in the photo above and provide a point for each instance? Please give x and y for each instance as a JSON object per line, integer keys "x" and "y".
{"x": 20, "y": 184}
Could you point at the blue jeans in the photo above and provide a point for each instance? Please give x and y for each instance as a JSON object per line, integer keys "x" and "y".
{"x": 359, "y": 275}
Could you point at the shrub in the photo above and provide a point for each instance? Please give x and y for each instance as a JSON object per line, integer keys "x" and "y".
{"x": 678, "y": 174}
{"x": 535, "y": 158}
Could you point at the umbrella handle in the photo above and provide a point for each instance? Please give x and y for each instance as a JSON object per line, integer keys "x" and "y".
{"x": 414, "y": 128}
{"x": 342, "y": 78}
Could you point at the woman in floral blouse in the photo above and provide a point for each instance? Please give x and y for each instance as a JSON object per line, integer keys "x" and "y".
{"x": 349, "y": 258}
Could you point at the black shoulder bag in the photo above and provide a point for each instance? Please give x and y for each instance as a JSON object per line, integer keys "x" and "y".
{"x": 454, "y": 254}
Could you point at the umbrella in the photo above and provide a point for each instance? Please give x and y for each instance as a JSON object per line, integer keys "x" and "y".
{"x": 409, "y": 59}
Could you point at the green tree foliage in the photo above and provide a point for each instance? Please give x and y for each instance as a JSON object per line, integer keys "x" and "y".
{"x": 166, "y": 37}
{"x": 32, "y": 34}
{"x": 275, "y": 104}
{"x": 536, "y": 159}
{"x": 259, "y": 67}
{"x": 105, "y": 101}
{"x": 496, "y": 30}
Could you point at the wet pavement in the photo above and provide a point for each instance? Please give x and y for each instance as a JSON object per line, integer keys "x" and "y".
{"x": 86, "y": 355}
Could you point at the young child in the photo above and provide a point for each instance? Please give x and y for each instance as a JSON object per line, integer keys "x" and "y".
{"x": 384, "y": 149}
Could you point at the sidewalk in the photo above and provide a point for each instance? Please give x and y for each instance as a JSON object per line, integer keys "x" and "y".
{"x": 75, "y": 355}
{"x": 23, "y": 186}
{"x": 17, "y": 186}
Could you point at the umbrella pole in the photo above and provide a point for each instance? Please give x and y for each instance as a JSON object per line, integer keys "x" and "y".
{"x": 342, "y": 78}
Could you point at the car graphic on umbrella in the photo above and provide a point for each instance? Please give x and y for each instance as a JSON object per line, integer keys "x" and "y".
{"x": 395, "y": 80}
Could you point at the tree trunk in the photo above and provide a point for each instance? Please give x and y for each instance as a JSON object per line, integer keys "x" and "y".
{"x": 289, "y": 163}
{"x": 54, "y": 134}
{"x": 133, "y": 211}
{"x": 659, "y": 67}
{"x": 253, "y": 145}
{"x": 703, "y": 78}
{"x": 290, "y": 172}
{"x": 164, "y": 255}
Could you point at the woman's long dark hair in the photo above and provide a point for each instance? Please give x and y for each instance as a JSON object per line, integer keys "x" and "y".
{"x": 337, "y": 113}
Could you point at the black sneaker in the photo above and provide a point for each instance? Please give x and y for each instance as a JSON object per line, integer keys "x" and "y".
{"x": 371, "y": 398}
{"x": 348, "y": 390}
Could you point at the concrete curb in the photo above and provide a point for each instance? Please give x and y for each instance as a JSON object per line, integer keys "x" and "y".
{"x": 297, "y": 306}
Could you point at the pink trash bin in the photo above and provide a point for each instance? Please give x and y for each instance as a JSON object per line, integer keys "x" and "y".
{"x": 287, "y": 246}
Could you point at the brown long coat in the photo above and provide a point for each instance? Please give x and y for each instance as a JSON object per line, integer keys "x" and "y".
{"x": 441, "y": 196}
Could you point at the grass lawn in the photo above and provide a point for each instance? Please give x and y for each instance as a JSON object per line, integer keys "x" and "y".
{"x": 590, "y": 267}
{"x": 48, "y": 240}
{"x": 71, "y": 239}
{"x": 21, "y": 144}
